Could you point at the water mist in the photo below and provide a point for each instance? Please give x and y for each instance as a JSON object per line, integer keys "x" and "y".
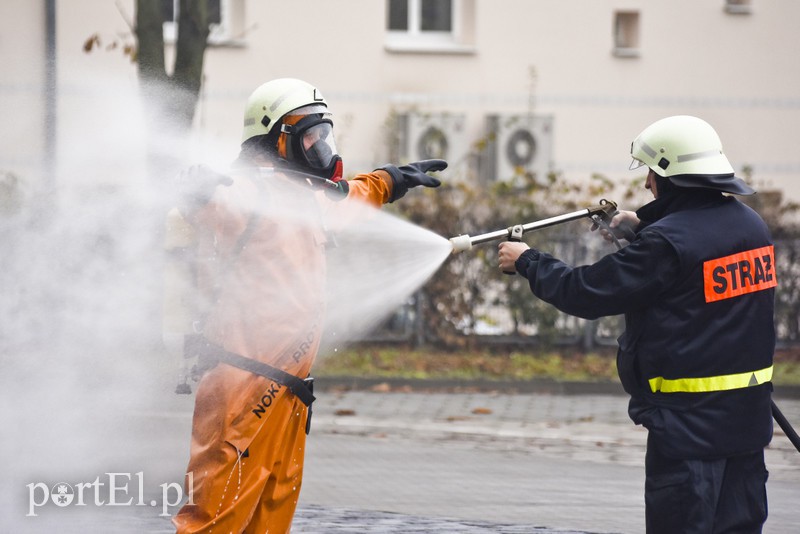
{"x": 88, "y": 388}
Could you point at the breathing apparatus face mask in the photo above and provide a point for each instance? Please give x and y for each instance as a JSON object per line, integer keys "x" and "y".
{"x": 310, "y": 146}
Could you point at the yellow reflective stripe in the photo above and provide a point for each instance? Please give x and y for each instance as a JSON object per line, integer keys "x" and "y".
{"x": 711, "y": 383}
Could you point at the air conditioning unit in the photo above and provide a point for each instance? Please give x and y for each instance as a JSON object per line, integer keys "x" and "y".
{"x": 434, "y": 135}
{"x": 518, "y": 145}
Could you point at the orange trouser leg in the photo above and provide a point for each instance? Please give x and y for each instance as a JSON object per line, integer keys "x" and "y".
{"x": 256, "y": 492}
{"x": 275, "y": 509}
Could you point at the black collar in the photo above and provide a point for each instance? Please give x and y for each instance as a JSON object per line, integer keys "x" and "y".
{"x": 677, "y": 200}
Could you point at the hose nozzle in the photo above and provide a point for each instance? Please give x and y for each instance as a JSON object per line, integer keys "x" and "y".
{"x": 605, "y": 210}
{"x": 461, "y": 243}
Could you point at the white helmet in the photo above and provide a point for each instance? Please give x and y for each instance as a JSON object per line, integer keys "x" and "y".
{"x": 688, "y": 152}
{"x": 274, "y": 99}
{"x": 290, "y": 118}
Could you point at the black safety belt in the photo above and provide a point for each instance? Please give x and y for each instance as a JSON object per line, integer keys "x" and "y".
{"x": 296, "y": 385}
{"x": 209, "y": 355}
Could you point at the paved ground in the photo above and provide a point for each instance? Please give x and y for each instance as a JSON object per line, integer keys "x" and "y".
{"x": 389, "y": 461}
{"x": 571, "y": 462}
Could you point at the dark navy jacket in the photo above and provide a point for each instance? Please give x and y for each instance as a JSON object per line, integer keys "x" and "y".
{"x": 697, "y": 290}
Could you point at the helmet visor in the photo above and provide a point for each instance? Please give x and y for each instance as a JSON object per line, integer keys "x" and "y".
{"x": 636, "y": 164}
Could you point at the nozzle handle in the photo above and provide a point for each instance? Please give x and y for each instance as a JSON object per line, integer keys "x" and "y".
{"x": 514, "y": 235}
{"x": 628, "y": 234}
{"x": 602, "y": 218}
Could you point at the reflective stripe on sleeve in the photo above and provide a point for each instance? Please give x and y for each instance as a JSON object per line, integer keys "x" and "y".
{"x": 711, "y": 383}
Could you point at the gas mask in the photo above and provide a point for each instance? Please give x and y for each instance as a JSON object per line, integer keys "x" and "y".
{"x": 308, "y": 146}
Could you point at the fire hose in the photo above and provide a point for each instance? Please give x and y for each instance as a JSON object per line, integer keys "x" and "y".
{"x": 601, "y": 215}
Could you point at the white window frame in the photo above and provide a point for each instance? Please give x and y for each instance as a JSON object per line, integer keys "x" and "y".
{"x": 229, "y": 32}
{"x": 415, "y": 40}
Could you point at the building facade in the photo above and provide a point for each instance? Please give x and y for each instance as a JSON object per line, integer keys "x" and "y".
{"x": 494, "y": 87}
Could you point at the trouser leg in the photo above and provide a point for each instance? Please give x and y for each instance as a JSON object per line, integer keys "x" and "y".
{"x": 680, "y": 495}
{"x": 229, "y": 484}
{"x": 276, "y": 508}
{"x": 742, "y": 507}
{"x": 704, "y": 496}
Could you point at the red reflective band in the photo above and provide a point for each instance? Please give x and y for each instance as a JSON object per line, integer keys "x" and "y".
{"x": 737, "y": 274}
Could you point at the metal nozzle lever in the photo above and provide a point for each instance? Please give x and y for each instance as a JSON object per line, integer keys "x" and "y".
{"x": 601, "y": 223}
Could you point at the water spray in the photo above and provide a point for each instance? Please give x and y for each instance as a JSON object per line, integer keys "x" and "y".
{"x": 600, "y": 214}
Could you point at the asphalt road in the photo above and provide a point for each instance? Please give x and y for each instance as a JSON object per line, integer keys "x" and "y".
{"x": 403, "y": 462}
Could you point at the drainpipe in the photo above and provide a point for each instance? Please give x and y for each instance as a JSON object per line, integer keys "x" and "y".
{"x": 50, "y": 96}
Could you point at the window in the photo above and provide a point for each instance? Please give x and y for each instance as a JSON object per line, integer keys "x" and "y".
{"x": 626, "y": 34}
{"x": 421, "y": 16}
{"x": 398, "y": 15}
{"x": 430, "y": 25}
{"x": 436, "y": 16}
{"x": 225, "y": 17}
{"x": 738, "y": 7}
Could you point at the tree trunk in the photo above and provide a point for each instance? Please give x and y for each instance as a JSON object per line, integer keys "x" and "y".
{"x": 172, "y": 98}
{"x": 150, "y": 41}
{"x": 191, "y": 47}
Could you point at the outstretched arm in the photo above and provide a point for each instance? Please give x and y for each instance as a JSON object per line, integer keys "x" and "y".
{"x": 390, "y": 183}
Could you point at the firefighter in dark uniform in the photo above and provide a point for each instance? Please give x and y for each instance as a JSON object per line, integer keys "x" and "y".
{"x": 697, "y": 288}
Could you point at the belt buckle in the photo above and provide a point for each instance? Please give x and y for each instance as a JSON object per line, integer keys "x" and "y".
{"x": 309, "y": 383}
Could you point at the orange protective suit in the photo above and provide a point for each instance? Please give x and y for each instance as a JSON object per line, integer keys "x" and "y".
{"x": 265, "y": 300}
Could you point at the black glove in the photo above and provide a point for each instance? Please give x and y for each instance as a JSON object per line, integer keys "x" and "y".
{"x": 412, "y": 175}
{"x": 195, "y": 186}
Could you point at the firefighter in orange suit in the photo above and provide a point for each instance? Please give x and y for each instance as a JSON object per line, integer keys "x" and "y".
{"x": 256, "y": 239}
{"x": 697, "y": 287}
